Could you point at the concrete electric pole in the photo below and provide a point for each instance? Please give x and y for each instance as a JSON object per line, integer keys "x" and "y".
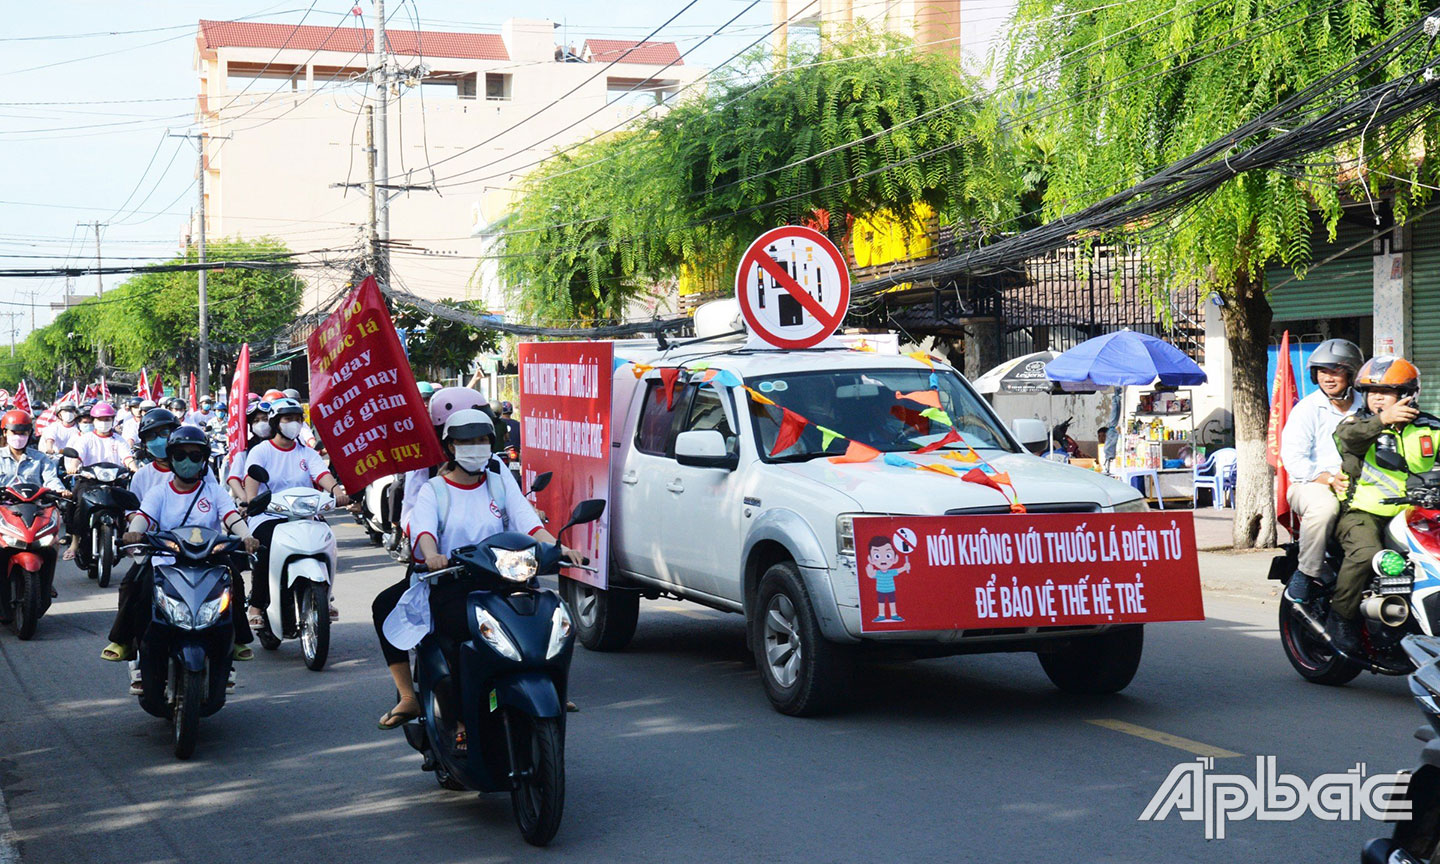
{"x": 204, "y": 372}
{"x": 382, "y": 136}
{"x": 99, "y": 284}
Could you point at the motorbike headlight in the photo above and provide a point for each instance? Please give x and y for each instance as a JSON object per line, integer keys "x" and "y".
{"x": 213, "y": 609}
{"x": 11, "y": 537}
{"x": 845, "y": 534}
{"x": 560, "y": 629}
{"x": 517, "y": 565}
{"x": 174, "y": 610}
{"x": 48, "y": 539}
{"x": 107, "y": 475}
{"x": 495, "y": 635}
{"x": 1134, "y": 505}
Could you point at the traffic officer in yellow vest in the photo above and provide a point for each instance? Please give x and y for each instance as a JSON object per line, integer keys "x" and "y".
{"x": 1381, "y": 446}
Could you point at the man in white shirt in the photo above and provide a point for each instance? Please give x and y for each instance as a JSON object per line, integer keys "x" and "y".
{"x": 58, "y": 436}
{"x": 1309, "y": 455}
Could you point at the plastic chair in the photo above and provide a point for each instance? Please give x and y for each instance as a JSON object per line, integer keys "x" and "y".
{"x": 1216, "y": 473}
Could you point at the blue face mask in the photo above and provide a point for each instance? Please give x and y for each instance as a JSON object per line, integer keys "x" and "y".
{"x": 156, "y": 447}
{"x": 186, "y": 468}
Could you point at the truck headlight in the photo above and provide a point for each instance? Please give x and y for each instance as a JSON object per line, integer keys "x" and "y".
{"x": 174, "y": 610}
{"x": 560, "y": 628}
{"x": 845, "y": 534}
{"x": 1134, "y": 505}
{"x": 495, "y": 636}
{"x": 516, "y": 565}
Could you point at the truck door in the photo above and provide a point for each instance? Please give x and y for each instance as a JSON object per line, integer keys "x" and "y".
{"x": 640, "y": 522}
{"x": 704, "y": 505}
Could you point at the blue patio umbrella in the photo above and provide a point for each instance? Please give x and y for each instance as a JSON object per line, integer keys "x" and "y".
{"x": 1124, "y": 358}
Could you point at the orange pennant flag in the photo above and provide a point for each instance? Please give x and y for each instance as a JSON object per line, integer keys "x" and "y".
{"x": 1002, "y": 478}
{"x": 972, "y": 456}
{"x": 930, "y": 398}
{"x": 640, "y": 369}
{"x": 856, "y": 452}
{"x": 755, "y": 394}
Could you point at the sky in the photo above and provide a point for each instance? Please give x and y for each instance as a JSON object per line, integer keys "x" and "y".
{"x": 90, "y": 92}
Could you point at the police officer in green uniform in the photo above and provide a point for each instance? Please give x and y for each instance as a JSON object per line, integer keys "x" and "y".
{"x": 1381, "y": 446}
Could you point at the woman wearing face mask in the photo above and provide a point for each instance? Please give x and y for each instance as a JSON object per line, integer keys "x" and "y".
{"x": 257, "y": 425}
{"x": 479, "y": 498}
{"x": 20, "y": 462}
{"x": 290, "y": 464}
{"x": 101, "y": 444}
{"x": 87, "y": 421}
{"x": 190, "y": 497}
{"x": 58, "y": 436}
{"x": 443, "y": 403}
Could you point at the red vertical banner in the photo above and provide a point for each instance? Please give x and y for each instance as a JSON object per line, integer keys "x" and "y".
{"x": 157, "y": 390}
{"x": 194, "y": 398}
{"x": 1283, "y": 395}
{"x": 142, "y": 389}
{"x": 363, "y": 399}
{"x": 565, "y": 429}
{"x": 239, "y": 392}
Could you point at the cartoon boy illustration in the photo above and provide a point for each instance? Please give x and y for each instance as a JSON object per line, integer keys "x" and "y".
{"x": 880, "y": 566}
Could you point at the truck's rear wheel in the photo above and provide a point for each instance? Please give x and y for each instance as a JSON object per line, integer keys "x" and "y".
{"x": 1097, "y": 664}
{"x": 803, "y": 673}
{"x": 604, "y": 619}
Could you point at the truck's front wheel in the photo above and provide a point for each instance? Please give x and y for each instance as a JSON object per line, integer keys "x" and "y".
{"x": 604, "y": 619}
{"x": 1097, "y": 664}
{"x": 803, "y": 673}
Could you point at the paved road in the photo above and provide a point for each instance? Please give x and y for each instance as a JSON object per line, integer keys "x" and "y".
{"x": 677, "y": 755}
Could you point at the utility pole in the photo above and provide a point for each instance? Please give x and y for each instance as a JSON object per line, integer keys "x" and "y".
{"x": 204, "y": 376}
{"x": 99, "y": 286}
{"x": 382, "y": 136}
{"x": 14, "y": 331}
{"x": 372, "y": 238}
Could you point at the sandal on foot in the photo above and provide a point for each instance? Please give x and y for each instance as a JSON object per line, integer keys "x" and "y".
{"x": 115, "y": 652}
{"x": 69, "y": 555}
{"x": 460, "y": 748}
{"x": 256, "y": 620}
{"x": 242, "y": 653}
{"x": 334, "y": 612}
{"x": 395, "y": 718}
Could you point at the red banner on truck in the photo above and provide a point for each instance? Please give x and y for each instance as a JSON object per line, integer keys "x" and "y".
{"x": 968, "y": 572}
{"x": 565, "y": 429}
{"x": 364, "y": 402}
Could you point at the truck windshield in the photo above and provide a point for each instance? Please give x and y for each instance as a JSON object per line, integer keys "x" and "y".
{"x": 868, "y": 406}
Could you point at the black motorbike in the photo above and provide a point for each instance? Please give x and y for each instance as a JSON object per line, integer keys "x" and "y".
{"x": 99, "y": 547}
{"x": 185, "y": 652}
{"x": 507, "y": 682}
{"x": 1417, "y": 839}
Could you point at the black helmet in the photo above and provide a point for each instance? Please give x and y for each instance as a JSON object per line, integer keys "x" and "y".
{"x": 1335, "y": 354}
{"x": 157, "y": 421}
{"x": 188, "y": 434}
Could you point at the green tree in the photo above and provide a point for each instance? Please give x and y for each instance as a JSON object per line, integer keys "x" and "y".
{"x": 598, "y": 227}
{"x": 438, "y": 344}
{"x": 1118, "y": 113}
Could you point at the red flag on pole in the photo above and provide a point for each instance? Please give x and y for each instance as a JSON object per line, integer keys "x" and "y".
{"x": 22, "y": 398}
{"x": 235, "y": 417}
{"x": 157, "y": 390}
{"x": 104, "y": 391}
{"x": 194, "y": 397}
{"x": 1283, "y": 396}
{"x": 90, "y": 392}
{"x": 143, "y": 388}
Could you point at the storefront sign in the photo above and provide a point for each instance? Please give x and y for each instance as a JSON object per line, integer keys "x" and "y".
{"x": 565, "y": 429}
{"x": 363, "y": 398}
{"x": 968, "y": 572}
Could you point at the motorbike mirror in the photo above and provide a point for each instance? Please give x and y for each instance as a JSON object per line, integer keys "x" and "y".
{"x": 259, "y": 473}
{"x": 126, "y": 499}
{"x": 586, "y": 511}
{"x": 69, "y": 453}
{"x": 258, "y": 504}
{"x": 541, "y": 481}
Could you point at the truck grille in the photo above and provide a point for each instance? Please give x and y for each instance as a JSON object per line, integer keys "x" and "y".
{"x": 1075, "y": 507}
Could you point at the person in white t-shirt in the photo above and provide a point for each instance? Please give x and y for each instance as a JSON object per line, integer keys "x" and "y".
{"x": 290, "y": 464}
{"x": 470, "y": 514}
{"x": 191, "y": 497}
{"x": 100, "y": 445}
{"x": 58, "y": 436}
{"x": 203, "y": 416}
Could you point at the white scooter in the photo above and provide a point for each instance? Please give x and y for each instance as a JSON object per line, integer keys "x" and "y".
{"x": 302, "y": 571}
{"x": 375, "y": 516}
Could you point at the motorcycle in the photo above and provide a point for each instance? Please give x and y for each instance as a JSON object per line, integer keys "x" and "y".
{"x": 1401, "y": 598}
{"x": 302, "y": 571}
{"x": 509, "y": 686}
{"x": 100, "y": 544}
{"x": 374, "y": 514}
{"x": 1417, "y": 838}
{"x": 184, "y": 661}
{"x": 219, "y": 446}
{"x": 29, "y": 529}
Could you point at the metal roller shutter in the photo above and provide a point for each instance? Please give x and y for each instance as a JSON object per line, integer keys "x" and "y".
{"x": 1340, "y": 289}
{"x": 1424, "y": 309}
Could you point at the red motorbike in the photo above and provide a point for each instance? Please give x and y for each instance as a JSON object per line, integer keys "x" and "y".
{"x": 29, "y": 531}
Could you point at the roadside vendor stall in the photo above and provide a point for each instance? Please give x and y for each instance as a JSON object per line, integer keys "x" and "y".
{"x": 1158, "y": 439}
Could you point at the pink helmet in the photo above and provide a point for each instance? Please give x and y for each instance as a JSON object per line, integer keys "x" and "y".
{"x": 448, "y": 400}
{"x": 102, "y": 409}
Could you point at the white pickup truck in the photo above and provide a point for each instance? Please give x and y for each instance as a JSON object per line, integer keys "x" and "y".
{"x": 702, "y": 512}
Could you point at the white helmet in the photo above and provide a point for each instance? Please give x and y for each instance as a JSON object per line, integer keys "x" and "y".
{"x": 147, "y": 404}
{"x": 468, "y": 423}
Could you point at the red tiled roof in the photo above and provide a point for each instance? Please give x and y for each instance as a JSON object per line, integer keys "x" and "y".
{"x": 650, "y": 53}
{"x": 348, "y": 39}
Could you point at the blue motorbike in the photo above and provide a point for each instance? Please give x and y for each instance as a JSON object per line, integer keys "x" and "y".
{"x": 507, "y": 682}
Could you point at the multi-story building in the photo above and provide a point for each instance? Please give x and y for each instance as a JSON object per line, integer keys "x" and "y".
{"x": 470, "y": 113}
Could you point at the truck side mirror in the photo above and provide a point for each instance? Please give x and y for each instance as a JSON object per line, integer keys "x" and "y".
{"x": 704, "y": 448}
{"x": 1031, "y": 432}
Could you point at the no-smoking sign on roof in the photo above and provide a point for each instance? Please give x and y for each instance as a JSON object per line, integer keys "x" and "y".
{"x": 793, "y": 287}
